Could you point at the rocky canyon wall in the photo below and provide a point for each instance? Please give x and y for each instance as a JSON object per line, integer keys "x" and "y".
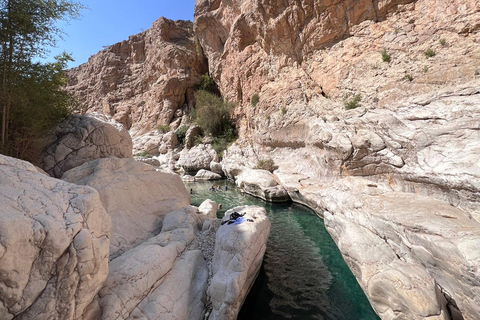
{"x": 144, "y": 81}
{"x": 393, "y": 170}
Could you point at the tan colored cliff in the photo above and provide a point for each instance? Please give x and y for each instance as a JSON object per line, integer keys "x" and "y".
{"x": 144, "y": 81}
{"x": 294, "y": 53}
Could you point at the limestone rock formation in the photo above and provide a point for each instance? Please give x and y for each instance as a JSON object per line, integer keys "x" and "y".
{"x": 208, "y": 208}
{"x": 262, "y": 184}
{"x": 305, "y": 58}
{"x": 239, "y": 251}
{"x": 196, "y": 158}
{"x": 145, "y": 81}
{"x": 165, "y": 277}
{"x": 203, "y": 175}
{"x": 82, "y": 138}
{"x": 217, "y": 168}
{"x": 423, "y": 242}
{"x": 54, "y": 239}
{"x": 135, "y": 196}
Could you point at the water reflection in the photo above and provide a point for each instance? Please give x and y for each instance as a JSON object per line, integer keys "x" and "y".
{"x": 303, "y": 275}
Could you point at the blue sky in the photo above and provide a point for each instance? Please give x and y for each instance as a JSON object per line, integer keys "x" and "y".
{"x": 109, "y": 21}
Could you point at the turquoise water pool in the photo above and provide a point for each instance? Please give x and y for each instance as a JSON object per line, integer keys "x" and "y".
{"x": 303, "y": 275}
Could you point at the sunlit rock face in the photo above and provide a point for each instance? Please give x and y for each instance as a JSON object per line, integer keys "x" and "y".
{"x": 412, "y": 136}
{"x": 144, "y": 81}
{"x": 135, "y": 195}
{"x": 54, "y": 239}
{"x": 82, "y": 138}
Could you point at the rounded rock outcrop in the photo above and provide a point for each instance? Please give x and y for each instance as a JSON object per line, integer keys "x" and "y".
{"x": 82, "y": 138}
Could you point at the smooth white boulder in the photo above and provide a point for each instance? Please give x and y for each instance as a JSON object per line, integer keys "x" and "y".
{"x": 208, "y": 208}
{"x": 196, "y": 158}
{"x": 205, "y": 175}
{"x": 83, "y": 138}
{"x": 165, "y": 277}
{"x": 135, "y": 196}
{"x": 239, "y": 251}
{"x": 262, "y": 184}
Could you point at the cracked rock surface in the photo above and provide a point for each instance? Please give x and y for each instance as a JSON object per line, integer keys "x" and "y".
{"x": 82, "y": 138}
{"x": 54, "y": 239}
{"x": 239, "y": 251}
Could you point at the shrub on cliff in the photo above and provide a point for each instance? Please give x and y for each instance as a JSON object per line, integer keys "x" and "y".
{"x": 206, "y": 84}
{"x": 181, "y": 133}
{"x": 212, "y": 113}
{"x": 255, "y": 99}
{"x": 353, "y": 102}
{"x": 267, "y": 164}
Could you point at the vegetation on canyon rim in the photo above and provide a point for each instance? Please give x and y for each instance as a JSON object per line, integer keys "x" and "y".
{"x": 31, "y": 99}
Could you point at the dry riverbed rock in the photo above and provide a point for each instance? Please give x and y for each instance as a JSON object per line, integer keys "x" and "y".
{"x": 54, "y": 239}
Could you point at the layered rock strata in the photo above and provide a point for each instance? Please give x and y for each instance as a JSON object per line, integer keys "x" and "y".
{"x": 82, "y": 138}
{"x": 54, "y": 239}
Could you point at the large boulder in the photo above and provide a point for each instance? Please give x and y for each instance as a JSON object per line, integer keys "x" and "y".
{"x": 262, "y": 184}
{"x": 239, "y": 251}
{"x": 135, "y": 195}
{"x": 54, "y": 239}
{"x": 205, "y": 175}
{"x": 208, "y": 208}
{"x": 196, "y": 158}
{"x": 165, "y": 277}
{"x": 82, "y": 138}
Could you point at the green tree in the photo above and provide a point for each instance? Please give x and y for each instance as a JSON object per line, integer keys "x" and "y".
{"x": 27, "y": 88}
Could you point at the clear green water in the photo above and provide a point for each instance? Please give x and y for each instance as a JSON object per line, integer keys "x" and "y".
{"x": 303, "y": 274}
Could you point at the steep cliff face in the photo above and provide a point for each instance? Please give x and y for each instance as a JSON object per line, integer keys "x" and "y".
{"x": 307, "y": 60}
{"x": 144, "y": 81}
{"x": 414, "y": 68}
{"x": 293, "y": 52}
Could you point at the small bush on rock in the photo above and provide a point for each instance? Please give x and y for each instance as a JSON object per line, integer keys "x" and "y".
{"x": 163, "y": 128}
{"x": 181, "y": 133}
{"x": 430, "y": 53}
{"x": 255, "y": 99}
{"x": 352, "y": 103}
{"x": 385, "y": 56}
{"x": 212, "y": 114}
{"x": 143, "y": 153}
{"x": 207, "y": 84}
{"x": 267, "y": 164}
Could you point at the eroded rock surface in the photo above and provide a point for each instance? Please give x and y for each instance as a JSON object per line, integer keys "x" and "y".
{"x": 82, "y": 138}
{"x": 197, "y": 158}
{"x": 54, "y": 239}
{"x": 145, "y": 81}
{"x": 239, "y": 251}
{"x": 165, "y": 277}
{"x": 135, "y": 195}
{"x": 262, "y": 184}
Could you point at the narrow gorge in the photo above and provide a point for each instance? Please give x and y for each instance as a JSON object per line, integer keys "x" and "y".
{"x": 366, "y": 112}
